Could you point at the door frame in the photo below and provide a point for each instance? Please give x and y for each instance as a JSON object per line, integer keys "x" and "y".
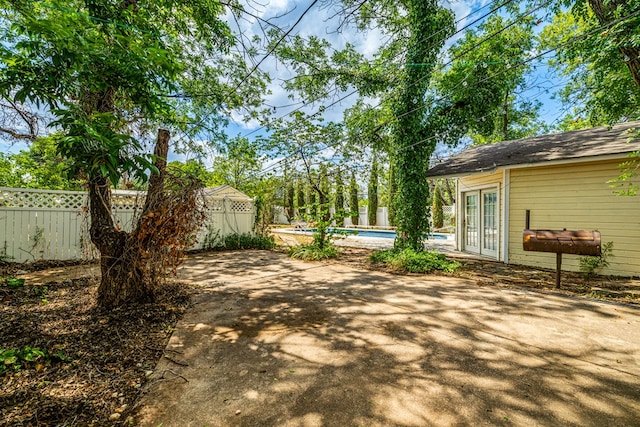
{"x": 480, "y": 191}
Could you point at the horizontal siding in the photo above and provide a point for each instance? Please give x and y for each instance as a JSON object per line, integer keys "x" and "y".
{"x": 576, "y": 197}
{"x": 475, "y": 182}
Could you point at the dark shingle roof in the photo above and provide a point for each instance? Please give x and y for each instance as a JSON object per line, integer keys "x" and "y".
{"x": 588, "y": 143}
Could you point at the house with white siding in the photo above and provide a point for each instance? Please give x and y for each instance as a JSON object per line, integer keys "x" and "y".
{"x": 563, "y": 180}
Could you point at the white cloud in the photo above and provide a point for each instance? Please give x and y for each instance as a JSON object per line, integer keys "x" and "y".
{"x": 323, "y": 22}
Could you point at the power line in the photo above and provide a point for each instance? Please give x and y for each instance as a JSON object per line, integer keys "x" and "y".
{"x": 493, "y": 10}
{"x": 535, "y": 57}
{"x": 464, "y": 53}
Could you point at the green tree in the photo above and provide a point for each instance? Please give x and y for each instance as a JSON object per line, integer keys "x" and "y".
{"x": 323, "y": 191}
{"x": 8, "y": 176}
{"x": 39, "y": 166}
{"x": 103, "y": 68}
{"x": 372, "y": 214}
{"x": 391, "y": 197}
{"x": 290, "y": 199}
{"x": 191, "y": 167}
{"x": 599, "y": 57}
{"x": 437, "y": 210}
{"x": 312, "y": 200}
{"x": 411, "y": 136}
{"x": 300, "y": 196}
{"x": 237, "y": 165}
{"x": 353, "y": 200}
{"x": 339, "y": 197}
{"x": 477, "y": 93}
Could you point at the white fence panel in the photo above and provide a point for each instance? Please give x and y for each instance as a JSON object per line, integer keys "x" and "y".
{"x": 54, "y": 225}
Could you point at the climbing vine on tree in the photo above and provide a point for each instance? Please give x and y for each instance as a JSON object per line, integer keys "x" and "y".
{"x": 412, "y": 144}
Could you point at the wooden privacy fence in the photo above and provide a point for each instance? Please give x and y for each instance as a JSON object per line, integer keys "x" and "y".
{"x": 54, "y": 225}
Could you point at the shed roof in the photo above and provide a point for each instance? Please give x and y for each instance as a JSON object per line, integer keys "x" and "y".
{"x": 224, "y": 190}
{"x": 576, "y": 145}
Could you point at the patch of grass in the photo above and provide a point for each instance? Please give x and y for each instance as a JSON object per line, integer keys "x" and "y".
{"x": 414, "y": 262}
{"x": 314, "y": 252}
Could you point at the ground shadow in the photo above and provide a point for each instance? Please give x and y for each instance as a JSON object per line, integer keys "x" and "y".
{"x": 275, "y": 342}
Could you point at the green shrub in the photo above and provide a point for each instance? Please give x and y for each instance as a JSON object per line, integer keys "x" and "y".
{"x": 590, "y": 265}
{"x": 314, "y": 252}
{"x": 414, "y": 262}
{"x": 235, "y": 241}
{"x": 249, "y": 241}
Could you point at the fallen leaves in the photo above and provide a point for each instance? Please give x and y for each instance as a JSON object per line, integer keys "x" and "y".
{"x": 109, "y": 352}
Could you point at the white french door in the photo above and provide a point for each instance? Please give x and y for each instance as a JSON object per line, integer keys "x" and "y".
{"x": 480, "y": 227}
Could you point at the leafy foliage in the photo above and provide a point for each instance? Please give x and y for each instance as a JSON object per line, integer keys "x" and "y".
{"x": 414, "y": 261}
{"x": 314, "y": 252}
{"x": 477, "y": 95}
{"x": 27, "y": 357}
{"x": 108, "y": 72}
{"x": 392, "y": 189}
{"x": 300, "y": 198}
{"x": 339, "y": 196}
{"x": 626, "y": 184}
{"x": 11, "y": 281}
{"x": 600, "y": 88}
{"x": 437, "y": 212}
{"x": 191, "y": 168}
{"x": 39, "y": 166}
{"x": 237, "y": 241}
{"x": 353, "y": 200}
{"x": 590, "y": 265}
{"x": 412, "y": 145}
{"x": 237, "y": 164}
{"x": 373, "y": 193}
{"x": 289, "y": 204}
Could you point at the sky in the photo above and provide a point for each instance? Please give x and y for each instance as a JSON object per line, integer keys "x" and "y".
{"x": 322, "y": 20}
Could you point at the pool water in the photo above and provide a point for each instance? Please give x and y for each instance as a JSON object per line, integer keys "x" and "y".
{"x": 386, "y": 234}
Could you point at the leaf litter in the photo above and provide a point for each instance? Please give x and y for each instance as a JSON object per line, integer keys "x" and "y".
{"x": 96, "y": 361}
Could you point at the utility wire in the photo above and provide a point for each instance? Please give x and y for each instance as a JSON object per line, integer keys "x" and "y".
{"x": 464, "y": 53}
{"x": 493, "y": 10}
{"x": 537, "y": 56}
{"x": 323, "y": 108}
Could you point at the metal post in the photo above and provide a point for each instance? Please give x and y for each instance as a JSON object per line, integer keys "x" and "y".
{"x": 558, "y": 268}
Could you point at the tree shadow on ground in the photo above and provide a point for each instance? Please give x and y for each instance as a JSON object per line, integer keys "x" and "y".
{"x": 297, "y": 344}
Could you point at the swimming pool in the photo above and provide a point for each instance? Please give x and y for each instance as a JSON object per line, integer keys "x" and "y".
{"x": 385, "y": 234}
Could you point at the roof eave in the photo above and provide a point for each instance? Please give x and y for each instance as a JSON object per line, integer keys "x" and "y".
{"x": 616, "y": 156}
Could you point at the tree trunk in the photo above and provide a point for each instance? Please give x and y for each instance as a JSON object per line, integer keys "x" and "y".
{"x": 451, "y": 191}
{"x": 605, "y": 14}
{"x": 116, "y": 285}
{"x": 123, "y": 276}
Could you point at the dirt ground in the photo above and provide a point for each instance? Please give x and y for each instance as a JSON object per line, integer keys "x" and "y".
{"x": 270, "y": 341}
{"x": 96, "y": 361}
{"x": 277, "y": 342}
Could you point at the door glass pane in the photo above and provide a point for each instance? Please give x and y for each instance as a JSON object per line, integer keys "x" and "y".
{"x": 490, "y": 221}
{"x": 471, "y": 220}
